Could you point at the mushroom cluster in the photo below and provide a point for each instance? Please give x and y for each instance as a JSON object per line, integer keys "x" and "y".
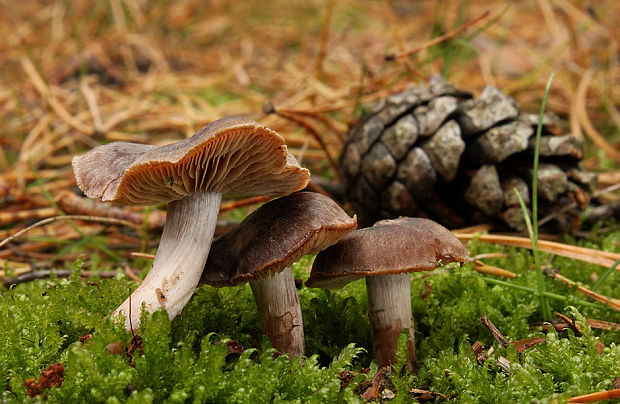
{"x": 238, "y": 157}
{"x": 233, "y": 156}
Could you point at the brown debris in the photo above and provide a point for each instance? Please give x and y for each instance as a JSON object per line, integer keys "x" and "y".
{"x": 571, "y": 324}
{"x": 115, "y": 348}
{"x": 377, "y": 385}
{"x": 52, "y": 376}
{"x": 427, "y": 395}
{"x": 525, "y": 344}
{"x": 85, "y": 338}
{"x": 234, "y": 347}
{"x": 504, "y": 365}
{"x": 478, "y": 349}
{"x": 345, "y": 377}
{"x": 499, "y": 337}
{"x": 136, "y": 344}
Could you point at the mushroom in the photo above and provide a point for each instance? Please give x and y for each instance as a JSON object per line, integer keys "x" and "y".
{"x": 233, "y": 156}
{"x": 261, "y": 250}
{"x": 385, "y": 254}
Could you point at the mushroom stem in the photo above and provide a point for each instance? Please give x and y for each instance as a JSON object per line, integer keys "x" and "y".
{"x": 280, "y": 312}
{"x": 389, "y": 310}
{"x": 180, "y": 259}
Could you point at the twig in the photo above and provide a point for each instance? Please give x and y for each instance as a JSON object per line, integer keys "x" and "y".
{"x": 499, "y": 337}
{"x": 571, "y": 324}
{"x": 42, "y": 88}
{"x": 598, "y": 396}
{"x": 132, "y": 275}
{"x": 324, "y": 35}
{"x": 70, "y": 217}
{"x": 603, "y": 325}
{"x": 91, "y": 101}
{"x": 331, "y": 125}
{"x": 313, "y": 132}
{"x": 142, "y": 255}
{"x": 225, "y": 207}
{"x": 608, "y": 301}
{"x": 75, "y": 204}
{"x": 439, "y": 39}
{"x": 598, "y": 257}
{"x": 483, "y": 268}
{"x": 589, "y": 129}
{"x": 41, "y": 213}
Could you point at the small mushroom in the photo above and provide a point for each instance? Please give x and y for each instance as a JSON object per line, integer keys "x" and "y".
{"x": 233, "y": 156}
{"x": 261, "y": 249}
{"x": 385, "y": 254}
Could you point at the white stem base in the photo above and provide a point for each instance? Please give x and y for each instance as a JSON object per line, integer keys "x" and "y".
{"x": 280, "y": 312}
{"x": 180, "y": 259}
{"x": 389, "y": 310}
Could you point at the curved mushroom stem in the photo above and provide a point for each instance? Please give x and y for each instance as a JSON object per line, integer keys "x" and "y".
{"x": 180, "y": 259}
{"x": 280, "y": 312}
{"x": 389, "y": 309}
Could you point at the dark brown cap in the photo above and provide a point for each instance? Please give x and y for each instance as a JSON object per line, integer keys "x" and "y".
{"x": 234, "y": 156}
{"x": 389, "y": 247}
{"x": 274, "y": 236}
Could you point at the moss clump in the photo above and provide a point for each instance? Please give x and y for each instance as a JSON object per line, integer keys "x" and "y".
{"x": 188, "y": 360}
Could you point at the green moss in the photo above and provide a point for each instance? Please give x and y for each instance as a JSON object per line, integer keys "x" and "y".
{"x": 188, "y": 360}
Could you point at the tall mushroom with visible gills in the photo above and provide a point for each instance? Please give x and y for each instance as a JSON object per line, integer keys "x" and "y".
{"x": 385, "y": 254}
{"x": 261, "y": 250}
{"x": 232, "y": 156}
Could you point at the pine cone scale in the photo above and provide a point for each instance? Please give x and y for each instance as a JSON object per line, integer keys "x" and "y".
{"x": 436, "y": 151}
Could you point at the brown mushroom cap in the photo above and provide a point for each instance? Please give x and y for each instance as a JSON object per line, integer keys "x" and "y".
{"x": 234, "y": 156}
{"x": 389, "y": 247}
{"x": 274, "y": 236}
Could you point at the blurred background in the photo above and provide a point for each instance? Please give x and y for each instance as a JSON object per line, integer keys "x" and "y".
{"x": 75, "y": 74}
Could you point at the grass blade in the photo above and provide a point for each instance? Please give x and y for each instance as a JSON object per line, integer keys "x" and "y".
{"x": 605, "y": 275}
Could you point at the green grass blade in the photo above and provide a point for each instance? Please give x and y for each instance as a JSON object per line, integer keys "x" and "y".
{"x": 534, "y": 235}
{"x": 604, "y": 276}
{"x": 547, "y": 294}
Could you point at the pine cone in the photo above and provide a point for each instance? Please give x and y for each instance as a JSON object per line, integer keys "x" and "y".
{"x": 440, "y": 153}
